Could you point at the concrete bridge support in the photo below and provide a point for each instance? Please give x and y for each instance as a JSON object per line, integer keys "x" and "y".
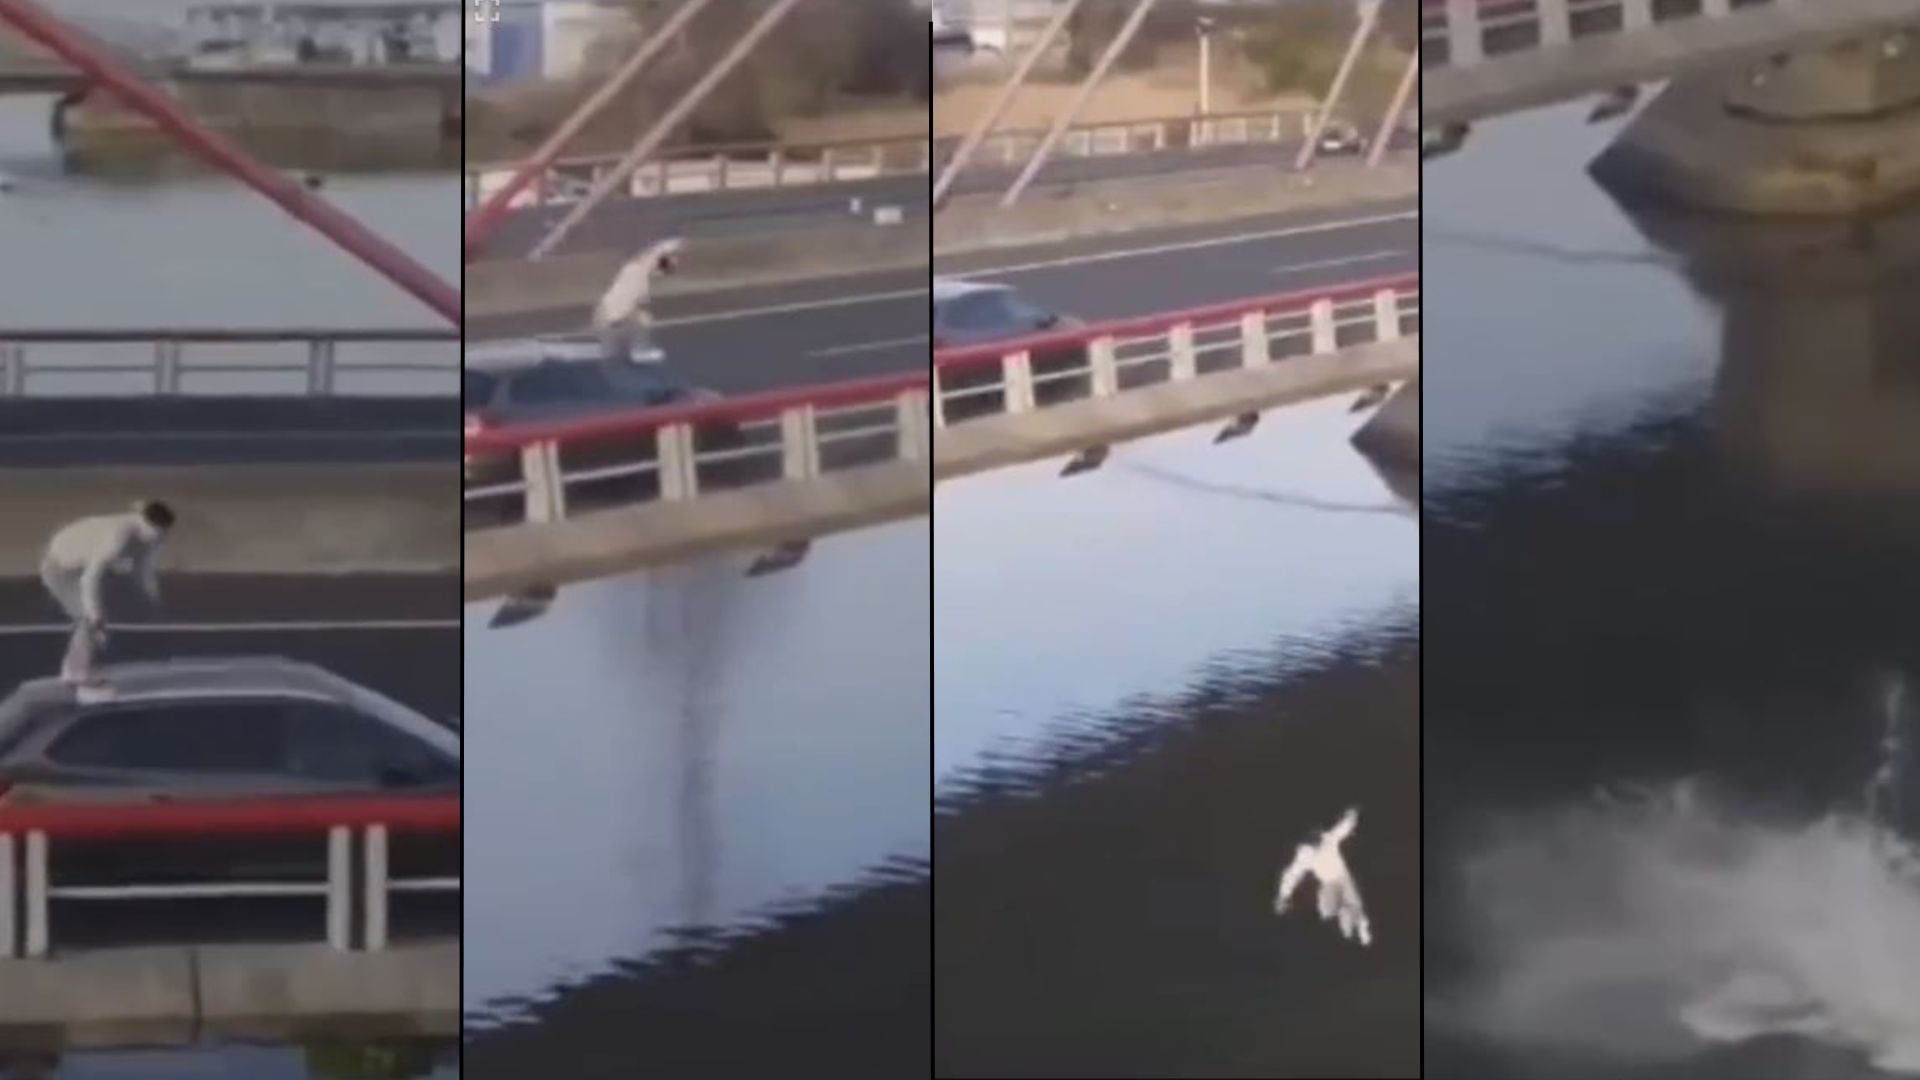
{"x": 1829, "y": 132}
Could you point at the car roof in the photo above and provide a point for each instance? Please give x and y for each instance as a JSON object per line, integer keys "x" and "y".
{"x": 236, "y": 676}
{"x": 216, "y": 676}
{"x": 518, "y": 354}
{"x": 945, "y": 289}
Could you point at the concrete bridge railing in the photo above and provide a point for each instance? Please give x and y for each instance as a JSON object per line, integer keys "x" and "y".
{"x": 564, "y": 501}
{"x": 762, "y": 166}
{"x": 1487, "y": 56}
{"x": 27, "y": 833}
{"x": 185, "y": 361}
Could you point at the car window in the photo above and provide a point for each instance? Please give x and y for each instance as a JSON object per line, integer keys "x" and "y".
{"x": 337, "y": 745}
{"x": 559, "y": 383}
{"x": 224, "y": 737}
{"x": 477, "y": 389}
{"x": 977, "y": 311}
{"x": 1028, "y": 316}
{"x": 644, "y": 383}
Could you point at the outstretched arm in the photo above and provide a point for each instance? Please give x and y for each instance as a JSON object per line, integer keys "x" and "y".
{"x": 1291, "y": 877}
{"x": 1345, "y": 826}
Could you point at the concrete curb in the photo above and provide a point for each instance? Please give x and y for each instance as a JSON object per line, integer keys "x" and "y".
{"x": 267, "y": 519}
{"x": 501, "y": 561}
{"x": 178, "y": 995}
{"x": 1108, "y": 208}
{"x": 507, "y": 287}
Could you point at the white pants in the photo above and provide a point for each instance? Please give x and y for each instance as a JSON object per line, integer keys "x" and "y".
{"x": 64, "y": 586}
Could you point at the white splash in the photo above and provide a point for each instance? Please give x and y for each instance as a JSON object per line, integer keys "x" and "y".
{"x": 1645, "y": 928}
{"x": 1339, "y": 897}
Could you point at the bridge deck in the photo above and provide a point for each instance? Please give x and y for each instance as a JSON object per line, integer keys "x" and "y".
{"x": 1523, "y": 79}
{"x": 176, "y": 995}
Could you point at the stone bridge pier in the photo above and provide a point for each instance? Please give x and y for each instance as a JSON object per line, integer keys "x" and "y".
{"x": 1833, "y": 131}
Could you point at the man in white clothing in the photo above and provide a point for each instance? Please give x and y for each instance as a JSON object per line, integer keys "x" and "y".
{"x": 78, "y": 559}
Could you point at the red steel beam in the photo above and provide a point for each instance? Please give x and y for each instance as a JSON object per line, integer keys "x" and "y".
{"x": 362, "y": 243}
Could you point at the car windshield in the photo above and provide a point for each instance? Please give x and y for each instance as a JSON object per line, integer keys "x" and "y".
{"x": 993, "y": 310}
{"x": 406, "y": 720}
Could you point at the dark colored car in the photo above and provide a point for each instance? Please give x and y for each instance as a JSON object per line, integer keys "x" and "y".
{"x": 570, "y": 377}
{"x": 199, "y": 730}
{"x": 969, "y": 313}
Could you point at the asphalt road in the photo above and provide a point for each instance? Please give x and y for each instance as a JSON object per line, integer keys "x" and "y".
{"x": 630, "y": 224}
{"x": 768, "y": 338}
{"x": 195, "y": 430}
{"x": 1144, "y": 273}
{"x": 398, "y": 634}
{"x": 751, "y": 340}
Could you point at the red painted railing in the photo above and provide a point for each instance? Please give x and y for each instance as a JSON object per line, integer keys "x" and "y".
{"x": 257, "y": 817}
{"x": 29, "y": 832}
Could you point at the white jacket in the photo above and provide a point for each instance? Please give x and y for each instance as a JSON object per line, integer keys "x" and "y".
{"x": 92, "y": 546}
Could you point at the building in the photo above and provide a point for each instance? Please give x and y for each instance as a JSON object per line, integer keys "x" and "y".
{"x": 370, "y": 32}
{"x": 538, "y": 39}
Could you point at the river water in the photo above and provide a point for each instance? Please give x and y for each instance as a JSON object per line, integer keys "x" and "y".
{"x": 1672, "y": 504}
{"x": 1150, "y": 683}
{"x": 196, "y": 251}
{"x": 696, "y": 826}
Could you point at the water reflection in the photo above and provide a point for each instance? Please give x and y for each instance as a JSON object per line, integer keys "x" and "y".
{"x": 1818, "y": 390}
{"x": 720, "y": 780}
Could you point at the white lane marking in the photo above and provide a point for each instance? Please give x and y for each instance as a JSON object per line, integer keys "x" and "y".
{"x": 871, "y": 346}
{"x": 1193, "y": 245}
{"x": 1350, "y": 260}
{"x": 788, "y": 309}
{"x": 328, "y": 626}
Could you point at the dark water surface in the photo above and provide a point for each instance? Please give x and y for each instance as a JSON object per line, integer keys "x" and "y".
{"x": 1151, "y": 682}
{"x": 1672, "y": 525}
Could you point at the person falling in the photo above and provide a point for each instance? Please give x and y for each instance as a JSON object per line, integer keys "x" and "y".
{"x": 78, "y": 559}
{"x": 1339, "y": 897}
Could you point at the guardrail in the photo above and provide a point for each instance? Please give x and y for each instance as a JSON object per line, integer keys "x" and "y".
{"x": 186, "y": 360}
{"x": 28, "y": 832}
{"x": 548, "y": 472}
{"x": 761, "y": 166}
{"x": 1467, "y": 33}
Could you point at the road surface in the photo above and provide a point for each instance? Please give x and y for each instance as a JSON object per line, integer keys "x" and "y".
{"x": 398, "y": 634}
{"x": 779, "y": 336}
{"x": 70, "y": 431}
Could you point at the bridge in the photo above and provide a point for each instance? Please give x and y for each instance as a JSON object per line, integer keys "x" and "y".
{"x": 796, "y": 465}
{"x": 1482, "y": 58}
{"x": 1777, "y": 107}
